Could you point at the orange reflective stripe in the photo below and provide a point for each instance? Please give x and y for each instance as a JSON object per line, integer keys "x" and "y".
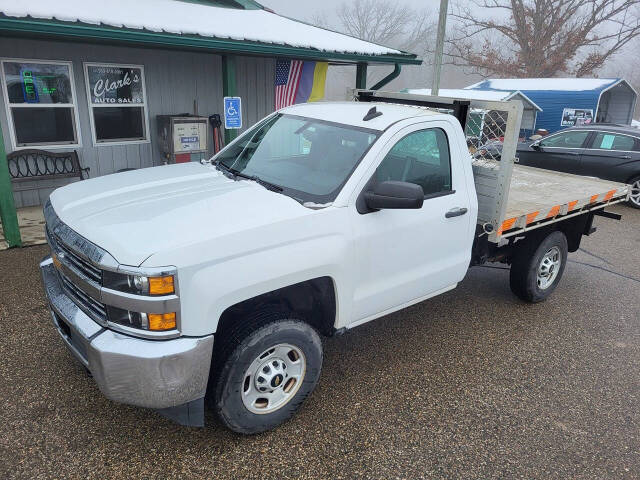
{"x": 532, "y": 216}
{"x": 609, "y": 194}
{"x": 506, "y": 225}
{"x": 572, "y": 205}
{"x": 593, "y": 198}
{"x": 554, "y": 211}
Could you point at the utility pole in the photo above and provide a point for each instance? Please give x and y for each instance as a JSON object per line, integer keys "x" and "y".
{"x": 437, "y": 64}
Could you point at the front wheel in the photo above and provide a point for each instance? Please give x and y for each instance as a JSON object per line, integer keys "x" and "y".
{"x": 537, "y": 268}
{"x": 268, "y": 373}
{"x": 634, "y": 197}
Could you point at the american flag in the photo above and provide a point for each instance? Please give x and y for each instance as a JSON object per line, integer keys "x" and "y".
{"x": 287, "y": 80}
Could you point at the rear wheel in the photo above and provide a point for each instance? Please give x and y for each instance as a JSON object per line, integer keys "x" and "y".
{"x": 634, "y": 198}
{"x": 271, "y": 366}
{"x": 537, "y": 267}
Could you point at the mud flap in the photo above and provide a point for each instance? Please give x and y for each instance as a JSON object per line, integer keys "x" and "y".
{"x": 190, "y": 414}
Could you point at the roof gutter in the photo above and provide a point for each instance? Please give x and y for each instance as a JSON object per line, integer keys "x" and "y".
{"x": 393, "y": 75}
{"x": 80, "y": 31}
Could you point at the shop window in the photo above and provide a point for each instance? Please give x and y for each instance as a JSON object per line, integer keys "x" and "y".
{"x": 41, "y": 103}
{"x": 117, "y": 103}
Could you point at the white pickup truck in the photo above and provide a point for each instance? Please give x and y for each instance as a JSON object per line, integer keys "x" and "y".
{"x": 184, "y": 282}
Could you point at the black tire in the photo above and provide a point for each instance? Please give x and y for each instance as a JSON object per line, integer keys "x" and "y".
{"x": 635, "y": 184}
{"x": 523, "y": 277}
{"x": 240, "y": 348}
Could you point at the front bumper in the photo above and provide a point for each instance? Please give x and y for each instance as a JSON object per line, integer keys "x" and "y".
{"x": 159, "y": 374}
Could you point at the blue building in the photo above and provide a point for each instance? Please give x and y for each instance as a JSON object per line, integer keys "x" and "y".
{"x": 567, "y": 102}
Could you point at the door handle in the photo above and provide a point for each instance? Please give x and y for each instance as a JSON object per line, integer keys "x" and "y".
{"x": 575, "y": 154}
{"x": 455, "y": 212}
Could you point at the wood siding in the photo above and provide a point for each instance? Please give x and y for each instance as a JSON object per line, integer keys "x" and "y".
{"x": 176, "y": 82}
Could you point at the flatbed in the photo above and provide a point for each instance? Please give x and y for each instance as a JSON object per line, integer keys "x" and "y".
{"x": 538, "y": 197}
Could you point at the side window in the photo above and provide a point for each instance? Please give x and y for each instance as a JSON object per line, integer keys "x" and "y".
{"x": 422, "y": 158}
{"x": 572, "y": 139}
{"x": 610, "y": 141}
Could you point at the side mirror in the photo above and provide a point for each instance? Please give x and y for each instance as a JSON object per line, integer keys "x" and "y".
{"x": 392, "y": 194}
{"x": 536, "y": 146}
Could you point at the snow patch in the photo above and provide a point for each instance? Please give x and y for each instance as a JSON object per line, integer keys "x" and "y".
{"x": 487, "y": 95}
{"x": 484, "y": 95}
{"x": 556, "y": 84}
{"x": 188, "y": 18}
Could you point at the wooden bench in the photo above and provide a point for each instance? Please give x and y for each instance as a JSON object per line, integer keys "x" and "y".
{"x": 32, "y": 164}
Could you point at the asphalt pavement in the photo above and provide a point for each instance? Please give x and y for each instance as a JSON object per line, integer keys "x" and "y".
{"x": 471, "y": 384}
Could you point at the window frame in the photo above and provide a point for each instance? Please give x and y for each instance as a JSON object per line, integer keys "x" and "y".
{"x": 592, "y": 143}
{"x": 427, "y": 196}
{"x": 8, "y": 106}
{"x": 91, "y": 106}
{"x": 584, "y": 144}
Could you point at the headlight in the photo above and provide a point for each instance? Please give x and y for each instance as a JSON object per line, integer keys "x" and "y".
{"x": 156, "y": 322}
{"x": 139, "y": 284}
{"x": 145, "y": 286}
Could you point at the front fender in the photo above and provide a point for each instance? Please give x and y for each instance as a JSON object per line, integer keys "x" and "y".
{"x": 229, "y": 270}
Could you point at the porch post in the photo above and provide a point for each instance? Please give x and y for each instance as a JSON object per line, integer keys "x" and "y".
{"x": 8, "y": 214}
{"x": 361, "y": 75}
{"x": 229, "y": 89}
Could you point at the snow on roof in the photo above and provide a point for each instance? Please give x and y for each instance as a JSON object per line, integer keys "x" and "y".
{"x": 460, "y": 93}
{"x": 188, "y": 18}
{"x": 487, "y": 95}
{"x": 557, "y": 84}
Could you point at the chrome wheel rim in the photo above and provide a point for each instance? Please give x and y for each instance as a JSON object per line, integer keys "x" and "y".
{"x": 549, "y": 268}
{"x": 273, "y": 378}
{"x": 635, "y": 193}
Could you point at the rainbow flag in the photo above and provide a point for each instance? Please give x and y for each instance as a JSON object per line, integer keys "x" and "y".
{"x": 298, "y": 82}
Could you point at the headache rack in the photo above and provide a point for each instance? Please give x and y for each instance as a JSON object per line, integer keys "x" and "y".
{"x": 511, "y": 198}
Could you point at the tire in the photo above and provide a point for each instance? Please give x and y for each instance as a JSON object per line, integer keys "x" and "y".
{"x": 295, "y": 348}
{"x": 634, "y": 199}
{"x": 529, "y": 279}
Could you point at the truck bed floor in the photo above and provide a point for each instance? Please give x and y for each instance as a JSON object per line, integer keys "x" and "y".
{"x": 538, "y": 194}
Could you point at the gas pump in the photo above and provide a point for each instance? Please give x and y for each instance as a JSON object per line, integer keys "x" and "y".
{"x": 183, "y": 138}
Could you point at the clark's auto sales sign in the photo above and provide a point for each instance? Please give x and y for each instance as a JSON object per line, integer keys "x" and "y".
{"x": 115, "y": 85}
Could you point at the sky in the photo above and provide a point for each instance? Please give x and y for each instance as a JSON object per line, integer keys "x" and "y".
{"x": 304, "y": 9}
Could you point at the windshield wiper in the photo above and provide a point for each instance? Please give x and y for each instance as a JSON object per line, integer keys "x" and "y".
{"x": 268, "y": 185}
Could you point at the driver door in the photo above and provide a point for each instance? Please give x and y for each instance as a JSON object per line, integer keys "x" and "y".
{"x": 403, "y": 256}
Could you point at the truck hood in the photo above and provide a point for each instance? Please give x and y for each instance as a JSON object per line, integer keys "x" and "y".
{"x": 136, "y": 214}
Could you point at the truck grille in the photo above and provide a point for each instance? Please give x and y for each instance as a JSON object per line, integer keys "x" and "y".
{"x": 84, "y": 267}
{"x": 91, "y": 306}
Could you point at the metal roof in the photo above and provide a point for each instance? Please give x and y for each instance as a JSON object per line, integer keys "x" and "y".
{"x": 190, "y": 25}
{"x": 545, "y": 84}
{"x": 488, "y": 95}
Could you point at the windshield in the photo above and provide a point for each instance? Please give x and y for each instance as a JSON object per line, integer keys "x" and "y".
{"x": 310, "y": 159}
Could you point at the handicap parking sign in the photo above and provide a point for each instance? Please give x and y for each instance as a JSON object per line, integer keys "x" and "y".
{"x": 232, "y": 113}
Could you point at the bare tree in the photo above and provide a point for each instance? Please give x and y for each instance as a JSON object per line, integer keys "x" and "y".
{"x": 540, "y": 38}
{"x": 385, "y": 22}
